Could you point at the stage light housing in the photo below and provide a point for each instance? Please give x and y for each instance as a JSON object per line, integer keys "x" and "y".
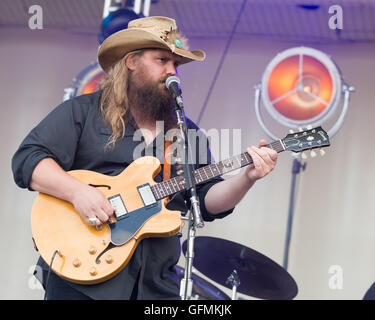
{"x": 87, "y": 81}
{"x": 301, "y": 86}
{"x": 116, "y": 21}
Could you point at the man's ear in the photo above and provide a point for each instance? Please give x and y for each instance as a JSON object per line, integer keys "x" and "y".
{"x": 131, "y": 61}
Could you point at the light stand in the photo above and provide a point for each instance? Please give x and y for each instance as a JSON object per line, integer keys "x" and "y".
{"x": 296, "y": 169}
{"x": 345, "y": 90}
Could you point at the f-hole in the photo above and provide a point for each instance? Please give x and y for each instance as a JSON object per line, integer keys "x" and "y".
{"x": 100, "y": 186}
{"x": 109, "y": 247}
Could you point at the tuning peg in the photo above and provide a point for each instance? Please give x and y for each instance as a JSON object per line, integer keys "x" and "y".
{"x": 322, "y": 152}
{"x": 309, "y": 127}
{"x": 300, "y": 129}
{"x": 179, "y": 172}
{"x": 312, "y": 154}
{"x": 303, "y": 156}
{"x": 291, "y": 131}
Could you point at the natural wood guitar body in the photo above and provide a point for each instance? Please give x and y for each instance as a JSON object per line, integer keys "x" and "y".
{"x": 57, "y": 226}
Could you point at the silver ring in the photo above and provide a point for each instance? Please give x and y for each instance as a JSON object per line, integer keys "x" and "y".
{"x": 93, "y": 220}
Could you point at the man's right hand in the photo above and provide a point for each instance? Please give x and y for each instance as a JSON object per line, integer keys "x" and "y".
{"x": 48, "y": 177}
{"x": 91, "y": 203}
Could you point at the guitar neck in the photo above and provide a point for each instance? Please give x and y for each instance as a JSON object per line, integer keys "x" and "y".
{"x": 201, "y": 175}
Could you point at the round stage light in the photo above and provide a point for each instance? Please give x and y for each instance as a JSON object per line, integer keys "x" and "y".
{"x": 115, "y": 21}
{"x": 87, "y": 81}
{"x": 301, "y": 86}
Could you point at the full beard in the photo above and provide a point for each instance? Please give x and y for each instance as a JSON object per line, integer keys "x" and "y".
{"x": 151, "y": 101}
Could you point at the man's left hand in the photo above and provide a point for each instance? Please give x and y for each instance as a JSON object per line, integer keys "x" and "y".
{"x": 264, "y": 161}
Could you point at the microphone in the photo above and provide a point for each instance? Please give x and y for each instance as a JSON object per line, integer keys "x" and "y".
{"x": 173, "y": 85}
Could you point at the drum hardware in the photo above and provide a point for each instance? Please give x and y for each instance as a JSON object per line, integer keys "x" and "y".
{"x": 259, "y": 276}
{"x": 201, "y": 288}
{"x": 234, "y": 282}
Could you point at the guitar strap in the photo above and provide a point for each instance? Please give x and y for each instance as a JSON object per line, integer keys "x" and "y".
{"x": 167, "y": 161}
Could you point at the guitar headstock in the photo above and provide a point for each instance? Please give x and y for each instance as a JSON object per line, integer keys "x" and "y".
{"x": 306, "y": 140}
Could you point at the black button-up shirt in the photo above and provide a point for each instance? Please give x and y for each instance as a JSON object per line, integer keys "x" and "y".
{"x": 74, "y": 135}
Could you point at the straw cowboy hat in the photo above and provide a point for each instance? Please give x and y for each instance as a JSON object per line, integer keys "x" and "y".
{"x": 149, "y": 32}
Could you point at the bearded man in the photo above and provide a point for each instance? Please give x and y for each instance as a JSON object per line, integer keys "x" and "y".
{"x": 96, "y": 132}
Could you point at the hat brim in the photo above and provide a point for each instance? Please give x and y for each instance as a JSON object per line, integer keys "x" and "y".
{"x": 117, "y": 45}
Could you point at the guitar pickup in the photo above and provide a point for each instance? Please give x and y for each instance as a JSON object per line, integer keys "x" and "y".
{"x": 146, "y": 194}
{"x": 118, "y": 205}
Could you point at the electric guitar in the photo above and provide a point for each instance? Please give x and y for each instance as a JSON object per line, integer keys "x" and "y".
{"x": 84, "y": 254}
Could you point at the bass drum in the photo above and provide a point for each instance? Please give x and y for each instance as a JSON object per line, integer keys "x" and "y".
{"x": 202, "y": 289}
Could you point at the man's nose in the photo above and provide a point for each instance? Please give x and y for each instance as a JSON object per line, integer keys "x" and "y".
{"x": 171, "y": 69}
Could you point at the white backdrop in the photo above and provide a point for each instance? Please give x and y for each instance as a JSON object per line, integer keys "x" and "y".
{"x": 335, "y": 211}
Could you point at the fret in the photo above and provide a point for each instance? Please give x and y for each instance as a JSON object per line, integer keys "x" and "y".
{"x": 228, "y": 165}
{"x": 238, "y": 161}
{"x": 203, "y": 174}
{"x": 248, "y": 158}
{"x": 156, "y": 191}
{"x": 173, "y": 186}
{"x": 216, "y": 169}
{"x": 220, "y": 166}
{"x": 170, "y": 186}
{"x": 212, "y": 173}
{"x": 198, "y": 175}
{"x": 181, "y": 182}
{"x": 281, "y": 146}
{"x": 276, "y": 145}
{"x": 167, "y": 186}
{"x": 243, "y": 160}
{"x": 162, "y": 189}
{"x": 207, "y": 170}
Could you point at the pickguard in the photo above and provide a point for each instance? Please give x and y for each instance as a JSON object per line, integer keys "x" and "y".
{"x": 127, "y": 226}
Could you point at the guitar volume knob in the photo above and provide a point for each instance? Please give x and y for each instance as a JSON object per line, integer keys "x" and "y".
{"x": 109, "y": 259}
{"x": 92, "y": 250}
{"x": 76, "y": 263}
{"x": 93, "y": 271}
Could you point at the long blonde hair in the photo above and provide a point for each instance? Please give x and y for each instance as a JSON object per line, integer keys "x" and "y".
{"x": 114, "y": 104}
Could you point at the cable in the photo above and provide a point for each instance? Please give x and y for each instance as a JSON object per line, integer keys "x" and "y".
{"x": 49, "y": 273}
{"x": 221, "y": 60}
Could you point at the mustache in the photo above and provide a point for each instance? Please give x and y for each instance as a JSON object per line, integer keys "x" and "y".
{"x": 163, "y": 79}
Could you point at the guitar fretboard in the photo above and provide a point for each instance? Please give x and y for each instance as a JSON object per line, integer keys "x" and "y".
{"x": 177, "y": 184}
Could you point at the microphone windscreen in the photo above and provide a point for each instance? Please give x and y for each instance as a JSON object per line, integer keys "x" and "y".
{"x": 173, "y": 85}
{"x": 171, "y": 79}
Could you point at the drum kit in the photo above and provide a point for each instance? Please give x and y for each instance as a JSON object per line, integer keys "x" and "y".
{"x": 238, "y": 268}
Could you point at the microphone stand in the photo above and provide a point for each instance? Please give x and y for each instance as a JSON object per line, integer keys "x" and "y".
{"x": 195, "y": 218}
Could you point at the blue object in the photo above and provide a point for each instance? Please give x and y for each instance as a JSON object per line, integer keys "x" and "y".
{"x": 127, "y": 225}
{"x": 178, "y": 43}
{"x": 309, "y": 6}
